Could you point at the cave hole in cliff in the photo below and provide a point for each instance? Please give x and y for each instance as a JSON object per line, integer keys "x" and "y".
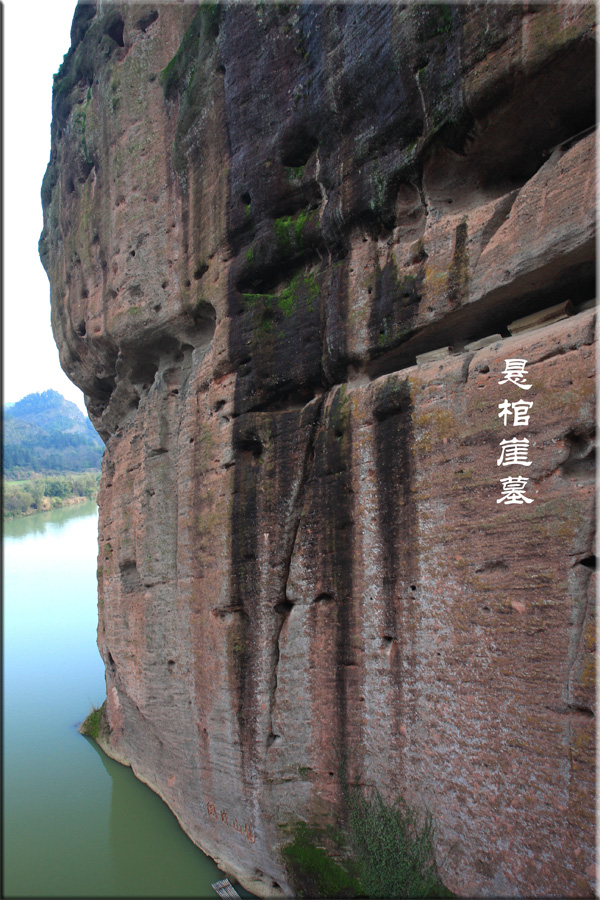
{"x": 589, "y": 562}
{"x": 503, "y": 145}
{"x": 245, "y": 198}
{"x": 526, "y": 130}
{"x": 249, "y": 442}
{"x": 100, "y": 394}
{"x": 324, "y": 597}
{"x": 581, "y": 462}
{"x": 287, "y": 400}
{"x": 200, "y": 271}
{"x": 115, "y": 31}
{"x": 284, "y": 608}
{"x": 143, "y": 372}
{"x": 146, "y": 21}
{"x": 204, "y": 318}
{"x": 80, "y": 328}
{"x": 297, "y": 147}
{"x": 130, "y": 579}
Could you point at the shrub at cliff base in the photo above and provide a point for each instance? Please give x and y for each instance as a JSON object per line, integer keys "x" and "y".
{"x": 390, "y": 853}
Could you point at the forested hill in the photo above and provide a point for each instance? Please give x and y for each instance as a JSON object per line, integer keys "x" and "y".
{"x": 47, "y": 434}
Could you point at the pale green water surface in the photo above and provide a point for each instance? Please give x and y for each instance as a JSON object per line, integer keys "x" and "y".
{"x": 76, "y": 824}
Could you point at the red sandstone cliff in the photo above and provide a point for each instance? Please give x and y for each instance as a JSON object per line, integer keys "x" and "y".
{"x": 256, "y": 222}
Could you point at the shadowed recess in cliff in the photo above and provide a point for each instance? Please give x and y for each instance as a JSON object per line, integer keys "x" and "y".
{"x": 275, "y": 342}
{"x": 312, "y": 414}
{"x": 394, "y": 308}
{"x": 273, "y": 458}
{"x": 245, "y": 570}
{"x": 334, "y": 659}
{"x": 165, "y": 355}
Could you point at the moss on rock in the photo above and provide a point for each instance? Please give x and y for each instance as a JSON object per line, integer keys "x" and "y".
{"x": 95, "y": 723}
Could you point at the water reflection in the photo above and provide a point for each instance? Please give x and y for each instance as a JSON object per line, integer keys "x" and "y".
{"x": 147, "y": 853}
{"x": 75, "y": 823}
{"x": 39, "y": 523}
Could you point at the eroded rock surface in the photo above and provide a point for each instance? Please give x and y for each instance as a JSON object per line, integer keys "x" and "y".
{"x": 256, "y": 219}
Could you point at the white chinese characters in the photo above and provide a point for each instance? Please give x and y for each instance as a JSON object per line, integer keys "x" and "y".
{"x": 514, "y": 451}
{"x": 515, "y": 372}
{"x": 513, "y": 490}
{"x": 518, "y": 410}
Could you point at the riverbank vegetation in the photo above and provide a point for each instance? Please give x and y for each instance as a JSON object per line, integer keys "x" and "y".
{"x": 42, "y": 492}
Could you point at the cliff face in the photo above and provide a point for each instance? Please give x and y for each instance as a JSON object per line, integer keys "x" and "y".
{"x": 256, "y": 219}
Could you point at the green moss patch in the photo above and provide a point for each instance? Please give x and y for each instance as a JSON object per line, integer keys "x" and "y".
{"x": 303, "y": 287}
{"x": 289, "y": 231}
{"x": 312, "y": 870}
{"x": 176, "y": 74}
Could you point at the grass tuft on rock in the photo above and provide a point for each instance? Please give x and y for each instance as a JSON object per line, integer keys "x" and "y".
{"x": 394, "y": 847}
{"x": 387, "y": 850}
{"x": 91, "y": 727}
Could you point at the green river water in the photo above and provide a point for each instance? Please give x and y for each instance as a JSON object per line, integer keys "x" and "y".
{"x": 75, "y": 823}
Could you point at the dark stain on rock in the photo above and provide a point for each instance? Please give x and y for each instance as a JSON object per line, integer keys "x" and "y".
{"x": 397, "y": 520}
{"x": 275, "y": 342}
{"x": 245, "y": 570}
{"x": 394, "y": 308}
{"x": 335, "y": 315}
{"x": 397, "y": 509}
{"x": 273, "y": 463}
{"x": 458, "y": 274}
{"x": 334, "y": 611}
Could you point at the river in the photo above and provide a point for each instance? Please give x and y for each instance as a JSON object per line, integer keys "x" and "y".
{"x": 76, "y": 824}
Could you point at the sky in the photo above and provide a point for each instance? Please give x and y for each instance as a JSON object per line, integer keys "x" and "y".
{"x": 36, "y": 37}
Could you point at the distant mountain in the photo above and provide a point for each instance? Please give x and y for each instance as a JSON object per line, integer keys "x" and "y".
{"x": 46, "y": 433}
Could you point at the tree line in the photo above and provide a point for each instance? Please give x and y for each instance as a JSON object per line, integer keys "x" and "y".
{"x": 48, "y": 492}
